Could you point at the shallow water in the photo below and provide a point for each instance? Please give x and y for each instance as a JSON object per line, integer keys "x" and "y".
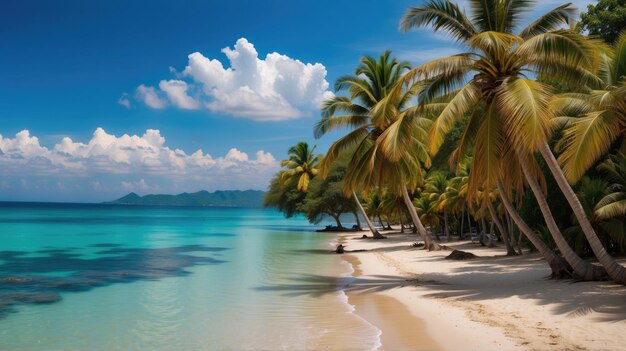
{"x": 103, "y": 277}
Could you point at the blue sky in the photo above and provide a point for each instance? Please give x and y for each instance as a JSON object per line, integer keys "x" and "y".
{"x": 93, "y": 71}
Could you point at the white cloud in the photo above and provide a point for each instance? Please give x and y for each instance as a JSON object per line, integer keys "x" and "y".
{"x": 176, "y": 91}
{"x": 145, "y": 157}
{"x": 150, "y": 97}
{"x": 124, "y": 101}
{"x": 236, "y": 155}
{"x": 277, "y": 87}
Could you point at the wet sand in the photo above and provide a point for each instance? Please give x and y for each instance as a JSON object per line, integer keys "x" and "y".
{"x": 401, "y": 330}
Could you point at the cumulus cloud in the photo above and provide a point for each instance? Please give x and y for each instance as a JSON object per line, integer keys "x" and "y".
{"x": 276, "y": 87}
{"x": 143, "y": 157}
{"x": 150, "y": 97}
{"x": 176, "y": 91}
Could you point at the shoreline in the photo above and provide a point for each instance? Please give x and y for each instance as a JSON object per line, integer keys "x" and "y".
{"x": 421, "y": 301}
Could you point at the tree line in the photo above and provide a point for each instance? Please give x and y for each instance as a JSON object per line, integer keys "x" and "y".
{"x": 521, "y": 135}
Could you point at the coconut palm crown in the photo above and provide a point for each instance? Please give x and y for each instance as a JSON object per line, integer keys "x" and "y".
{"x": 302, "y": 165}
{"x": 371, "y": 83}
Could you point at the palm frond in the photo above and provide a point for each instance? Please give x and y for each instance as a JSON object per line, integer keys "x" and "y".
{"x": 327, "y": 124}
{"x": 344, "y": 143}
{"x": 441, "y": 15}
{"x": 523, "y": 104}
{"x": 456, "y": 109}
{"x": 585, "y": 141}
{"x": 550, "y": 21}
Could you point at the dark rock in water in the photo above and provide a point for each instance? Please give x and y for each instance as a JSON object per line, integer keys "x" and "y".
{"x": 460, "y": 255}
{"x": 339, "y": 249}
{"x": 15, "y": 279}
{"x": 6, "y": 299}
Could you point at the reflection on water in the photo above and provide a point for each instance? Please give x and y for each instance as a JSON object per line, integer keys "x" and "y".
{"x": 126, "y": 278}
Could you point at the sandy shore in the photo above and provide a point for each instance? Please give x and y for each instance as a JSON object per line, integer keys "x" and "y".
{"x": 422, "y": 301}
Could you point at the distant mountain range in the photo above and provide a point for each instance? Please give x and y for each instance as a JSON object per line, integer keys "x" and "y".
{"x": 227, "y": 198}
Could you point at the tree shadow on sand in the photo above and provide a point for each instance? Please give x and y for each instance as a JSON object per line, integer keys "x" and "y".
{"x": 561, "y": 297}
{"x": 29, "y": 279}
{"x": 319, "y": 285}
{"x": 484, "y": 278}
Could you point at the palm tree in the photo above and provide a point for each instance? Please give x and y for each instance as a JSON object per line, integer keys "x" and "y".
{"x": 369, "y": 168}
{"x": 455, "y": 196}
{"x": 436, "y": 185}
{"x": 614, "y": 204}
{"x": 301, "y": 166}
{"x": 394, "y": 207}
{"x": 599, "y": 114}
{"x": 508, "y": 113}
{"x": 426, "y": 208}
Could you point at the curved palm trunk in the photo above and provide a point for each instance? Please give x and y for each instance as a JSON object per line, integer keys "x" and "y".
{"x": 375, "y": 232}
{"x": 616, "y": 271}
{"x": 557, "y": 264}
{"x": 429, "y": 244}
{"x": 505, "y": 235}
{"x": 583, "y": 269}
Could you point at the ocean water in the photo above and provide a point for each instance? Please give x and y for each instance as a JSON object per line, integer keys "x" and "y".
{"x": 101, "y": 277}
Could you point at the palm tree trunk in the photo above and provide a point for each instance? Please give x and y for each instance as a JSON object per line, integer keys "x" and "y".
{"x": 557, "y": 264}
{"x": 491, "y": 244}
{"x": 519, "y": 243}
{"x": 505, "y": 235}
{"x": 483, "y": 230}
{"x": 461, "y": 236}
{"x": 445, "y": 224}
{"x": 613, "y": 269}
{"x": 469, "y": 221}
{"x": 583, "y": 269}
{"x": 429, "y": 244}
{"x": 375, "y": 232}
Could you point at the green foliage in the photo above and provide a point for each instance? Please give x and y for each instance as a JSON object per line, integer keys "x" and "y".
{"x": 613, "y": 205}
{"x": 301, "y": 166}
{"x": 325, "y": 196}
{"x": 285, "y": 197}
{"x": 605, "y": 19}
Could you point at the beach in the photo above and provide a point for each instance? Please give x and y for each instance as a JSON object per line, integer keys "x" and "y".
{"x": 422, "y": 301}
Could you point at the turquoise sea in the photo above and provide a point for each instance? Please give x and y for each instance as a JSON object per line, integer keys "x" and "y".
{"x": 103, "y": 277}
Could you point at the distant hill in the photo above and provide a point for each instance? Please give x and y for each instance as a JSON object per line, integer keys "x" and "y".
{"x": 228, "y": 198}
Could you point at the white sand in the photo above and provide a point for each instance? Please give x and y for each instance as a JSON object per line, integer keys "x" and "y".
{"x": 493, "y": 302}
